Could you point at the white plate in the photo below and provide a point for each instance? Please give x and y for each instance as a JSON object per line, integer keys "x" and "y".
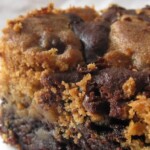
{"x": 7, "y": 11}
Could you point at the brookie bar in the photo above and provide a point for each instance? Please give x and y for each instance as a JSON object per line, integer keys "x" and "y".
{"x": 76, "y": 79}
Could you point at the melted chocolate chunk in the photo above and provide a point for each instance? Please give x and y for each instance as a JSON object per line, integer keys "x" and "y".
{"x": 94, "y": 36}
{"x": 112, "y": 13}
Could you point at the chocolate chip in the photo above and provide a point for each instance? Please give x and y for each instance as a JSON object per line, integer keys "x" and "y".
{"x": 94, "y": 36}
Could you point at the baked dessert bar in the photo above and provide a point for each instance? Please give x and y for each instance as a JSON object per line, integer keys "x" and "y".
{"x": 76, "y": 79}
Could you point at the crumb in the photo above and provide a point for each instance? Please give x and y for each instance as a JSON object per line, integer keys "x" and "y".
{"x": 17, "y": 27}
{"x": 129, "y": 87}
{"x": 91, "y": 66}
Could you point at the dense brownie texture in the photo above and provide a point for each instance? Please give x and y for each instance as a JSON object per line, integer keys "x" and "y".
{"x": 76, "y": 79}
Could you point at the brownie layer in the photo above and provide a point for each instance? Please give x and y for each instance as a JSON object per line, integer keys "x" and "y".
{"x": 34, "y": 134}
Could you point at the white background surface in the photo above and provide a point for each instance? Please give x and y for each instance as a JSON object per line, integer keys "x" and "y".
{"x": 11, "y": 8}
